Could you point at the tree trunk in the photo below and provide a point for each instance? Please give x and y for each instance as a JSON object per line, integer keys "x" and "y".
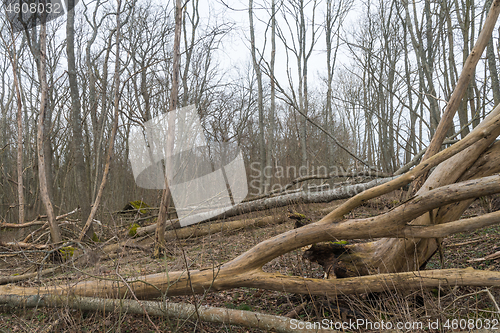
{"x": 55, "y": 232}
{"x": 395, "y": 255}
{"x": 260, "y": 101}
{"x": 220, "y": 315}
{"x": 116, "y": 102}
{"x": 81, "y": 178}
{"x": 13, "y": 56}
{"x": 160, "y": 243}
{"x": 492, "y": 65}
{"x": 272, "y": 110}
{"x": 200, "y": 230}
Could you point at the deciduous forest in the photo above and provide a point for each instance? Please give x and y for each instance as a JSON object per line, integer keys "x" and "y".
{"x": 349, "y": 153}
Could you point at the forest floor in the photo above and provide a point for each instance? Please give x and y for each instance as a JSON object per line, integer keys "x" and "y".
{"x": 423, "y": 306}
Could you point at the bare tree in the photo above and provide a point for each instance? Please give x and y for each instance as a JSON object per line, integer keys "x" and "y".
{"x": 272, "y": 108}
{"x": 13, "y": 56}
{"x": 302, "y": 49}
{"x": 116, "y": 104}
{"x": 260, "y": 96}
{"x": 81, "y": 178}
{"x": 42, "y": 123}
{"x": 160, "y": 244}
{"x": 336, "y": 13}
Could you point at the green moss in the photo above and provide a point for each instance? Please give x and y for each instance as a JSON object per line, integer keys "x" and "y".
{"x": 132, "y": 230}
{"x": 340, "y": 242}
{"x": 95, "y": 239}
{"x": 139, "y": 204}
{"x": 67, "y": 252}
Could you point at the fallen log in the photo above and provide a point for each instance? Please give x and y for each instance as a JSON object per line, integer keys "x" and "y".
{"x": 176, "y": 283}
{"x": 199, "y": 230}
{"x": 225, "y": 316}
{"x": 246, "y": 270}
{"x": 212, "y": 228}
{"x": 337, "y": 173}
{"x": 344, "y": 192}
{"x": 300, "y": 197}
{"x": 22, "y": 277}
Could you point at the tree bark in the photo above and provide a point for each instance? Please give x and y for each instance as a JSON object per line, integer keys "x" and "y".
{"x": 81, "y": 178}
{"x": 17, "y": 86}
{"x": 55, "y": 232}
{"x": 160, "y": 243}
{"x": 260, "y": 100}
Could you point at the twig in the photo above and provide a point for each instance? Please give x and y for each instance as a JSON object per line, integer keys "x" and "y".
{"x": 493, "y": 300}
{"x": 21, "y": 225}
{"x": 51, "y": 326}
{"x": 492, "y": 256}
{"x": 466, "y": 243}
{"x": 467, "y": 295}
{"x": 24, "y": 245}
{"x": 295, "y": 312}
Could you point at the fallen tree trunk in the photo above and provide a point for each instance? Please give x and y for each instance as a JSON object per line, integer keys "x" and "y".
{"x": 246, "y": 269}
{"x": 22, "y": 277}
{"x": 156, "y": 285}
{"x": 200, "y": 230}
{"x": 279, "y": 201}
{"x": 416, "y": 159}
{"x": 160, "y": 309}
{"x": 337, "y": 173}
{"x": 392, "y": 255}
{"x": 300, "y": 197}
